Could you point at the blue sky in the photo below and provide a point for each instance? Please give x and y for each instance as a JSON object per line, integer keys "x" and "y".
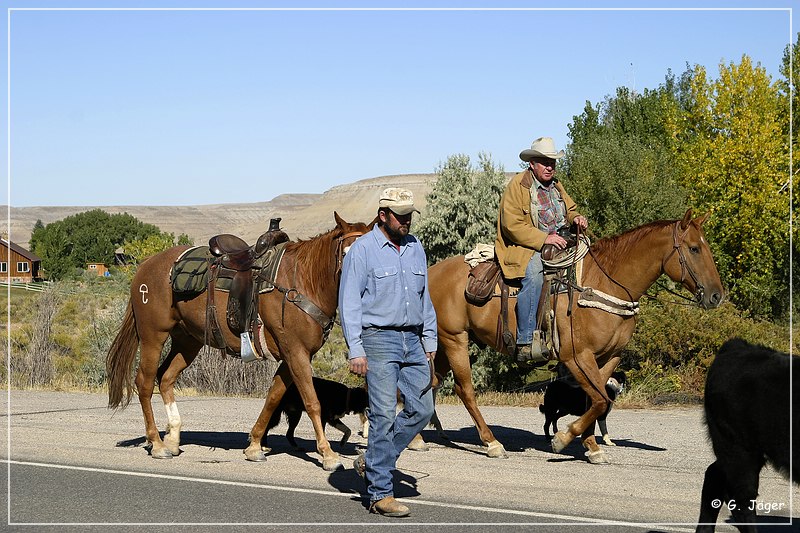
{"x": 182, "y": 107}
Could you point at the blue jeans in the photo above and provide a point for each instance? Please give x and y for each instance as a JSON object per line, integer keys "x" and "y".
{"x": 528, "y": 299}
{"x": 396, "y": 361}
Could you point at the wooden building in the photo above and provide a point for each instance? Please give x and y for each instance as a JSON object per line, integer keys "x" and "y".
{"x": 101, "y": 269}
{"x": 17, "y": 263}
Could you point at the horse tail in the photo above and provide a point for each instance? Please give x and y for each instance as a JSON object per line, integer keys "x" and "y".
{"x": 119, "y": 361}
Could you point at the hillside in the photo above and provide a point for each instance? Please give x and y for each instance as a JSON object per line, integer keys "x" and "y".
{"x": 303, "y": 215}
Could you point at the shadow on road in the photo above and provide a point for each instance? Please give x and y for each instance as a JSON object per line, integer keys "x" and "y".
{"x": 226, "y": 440}
{"x": 349, "y": 482}
{"x": 517, "y": 440}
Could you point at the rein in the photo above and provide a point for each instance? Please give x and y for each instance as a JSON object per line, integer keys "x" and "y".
{"x": 677, "y": 246}
{"x": 602, "y": 390}
{"x": 605, "y": 272}
{"x": 307, "y": 306}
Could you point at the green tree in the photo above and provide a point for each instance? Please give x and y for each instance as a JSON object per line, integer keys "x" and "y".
{"x": 91, "y": 236}
{"x": 619, "y": 183}
{"x": 54, "y": 246}
{"x": 140, "y": 249}
{"x": 618, "y": 167}
{"x": 462, "y": 212}
{"x": 733, "y": 160}
{"x": 790, "y": 70}
{"x": 461, "y": 207}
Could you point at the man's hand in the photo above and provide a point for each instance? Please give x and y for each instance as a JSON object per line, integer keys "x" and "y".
{"x": 556, "y": 240}
{"x": 358, "y": 366}
{"x": 581, "y": 221}
{"x": 431, "y": 355}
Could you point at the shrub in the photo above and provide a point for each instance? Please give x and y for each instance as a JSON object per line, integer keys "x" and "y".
{"x": 674, "y": 335}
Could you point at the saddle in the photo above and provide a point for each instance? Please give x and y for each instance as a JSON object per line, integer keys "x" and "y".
{"x": 550, "y": 253}
{"x": 486, "y": 280}
{"x": 230, "y": 257}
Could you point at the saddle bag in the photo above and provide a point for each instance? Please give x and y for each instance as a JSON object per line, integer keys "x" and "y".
{"x": 189, "y": 274}
{"x": 481, "y": 282}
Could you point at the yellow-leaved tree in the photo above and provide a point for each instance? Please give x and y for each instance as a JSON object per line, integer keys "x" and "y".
{"x": 734, "y": 160}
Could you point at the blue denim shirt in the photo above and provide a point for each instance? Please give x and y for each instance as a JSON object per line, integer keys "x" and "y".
{"x": 384, "y": 287}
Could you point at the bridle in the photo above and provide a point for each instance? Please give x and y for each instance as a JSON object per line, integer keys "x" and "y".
{"x": 677, "y": 246}
{"x": 341, "y": 250}
{"x": 294, "y": 296}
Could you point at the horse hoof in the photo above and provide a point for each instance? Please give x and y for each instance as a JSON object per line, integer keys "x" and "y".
{"x": 608, "y": 441}
{"x": 558, "y": 443}
{"x": 496, "y": 450}
{"x": 256, "y": 456}
{"x": 598, "y": 457}
{"x": 163, "y": 453}
{"x": 332, "y": 465}
{"x": 418, "y": 445}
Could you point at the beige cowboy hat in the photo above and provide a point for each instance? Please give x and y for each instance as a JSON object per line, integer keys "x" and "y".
{"x": 541, "y": 147}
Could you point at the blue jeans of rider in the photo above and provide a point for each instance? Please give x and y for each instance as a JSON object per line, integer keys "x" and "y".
{"x": 528, "y": 299}
{"x": 396, "y": 361}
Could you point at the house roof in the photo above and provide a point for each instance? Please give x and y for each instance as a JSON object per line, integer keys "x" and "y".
{"x": 20, "y": 250}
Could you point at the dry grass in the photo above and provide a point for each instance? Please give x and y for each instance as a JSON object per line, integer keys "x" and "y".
{"x": 627, "y": 400}
{"x": 507, "y": 399}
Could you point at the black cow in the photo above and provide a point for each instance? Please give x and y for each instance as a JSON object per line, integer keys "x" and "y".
{"x": 747, "y": 406}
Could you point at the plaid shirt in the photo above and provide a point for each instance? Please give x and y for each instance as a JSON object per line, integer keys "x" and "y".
{"x": 551, "y": 207}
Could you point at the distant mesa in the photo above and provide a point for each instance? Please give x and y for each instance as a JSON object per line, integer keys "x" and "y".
{"x": 303, "y": 215}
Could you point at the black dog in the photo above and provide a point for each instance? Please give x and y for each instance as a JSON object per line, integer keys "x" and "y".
{"x": 336, "y": 400}
{"x": 565, "y": 397}
{"x": 748, "y": 406}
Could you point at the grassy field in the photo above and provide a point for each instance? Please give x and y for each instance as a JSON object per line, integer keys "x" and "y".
{"x": 19, "y": 301}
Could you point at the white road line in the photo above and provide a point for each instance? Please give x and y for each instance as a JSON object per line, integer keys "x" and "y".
{"x": 572, "y": 520}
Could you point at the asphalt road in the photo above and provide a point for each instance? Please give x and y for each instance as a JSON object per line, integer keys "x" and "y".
{"x": 71, "y": 463}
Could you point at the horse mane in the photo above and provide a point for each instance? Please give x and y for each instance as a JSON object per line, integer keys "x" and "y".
{"x": 314, "y": 262}
{"x": 612, "y": 251}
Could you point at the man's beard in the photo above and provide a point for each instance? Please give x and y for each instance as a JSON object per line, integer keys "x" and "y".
{"x": 396, "y": 234}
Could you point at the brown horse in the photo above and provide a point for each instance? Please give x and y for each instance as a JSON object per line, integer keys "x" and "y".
{"x": 309, "y": 271}
{"x": 624, "y": 266}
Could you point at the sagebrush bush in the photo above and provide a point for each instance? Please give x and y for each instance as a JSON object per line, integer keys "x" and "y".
{"x": 675, "y": 335}
{"x": 211, "y": 373}
{"x": 60, "y": 339}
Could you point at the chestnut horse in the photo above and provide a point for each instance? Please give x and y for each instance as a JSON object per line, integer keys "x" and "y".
{"x": 624, "y": 266}
{"x": 309, "y": 271}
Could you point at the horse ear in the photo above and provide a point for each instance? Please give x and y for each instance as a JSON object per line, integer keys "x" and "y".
{"x": 702, "y": 219}
{"x": 374, "y": 222}
{"x": 687, "y": 218}
{"x": 339, "y": 221}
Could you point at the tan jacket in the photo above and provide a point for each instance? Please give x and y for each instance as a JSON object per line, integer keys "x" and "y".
{"x": 518, "y": 236}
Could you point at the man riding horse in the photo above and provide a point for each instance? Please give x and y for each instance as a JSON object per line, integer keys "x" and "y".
{"x": 533, "y": 207}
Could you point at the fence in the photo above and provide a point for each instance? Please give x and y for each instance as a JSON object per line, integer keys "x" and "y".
{"x": 38, "y": 286}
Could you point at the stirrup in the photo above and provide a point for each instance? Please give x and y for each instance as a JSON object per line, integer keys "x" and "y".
{"x": 247, "y": 349}
{"x": 540, "y": 353}
{"x": 536, "y": 353}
